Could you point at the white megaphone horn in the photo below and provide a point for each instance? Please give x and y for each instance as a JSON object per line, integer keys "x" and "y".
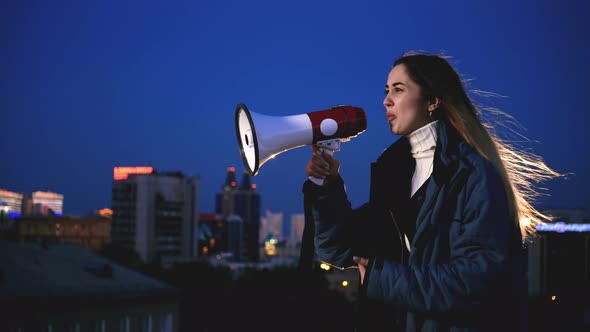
{"x": 262, "y": 137}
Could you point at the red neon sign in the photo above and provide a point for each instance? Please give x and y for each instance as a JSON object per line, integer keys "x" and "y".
{"x": 122, "y": 172}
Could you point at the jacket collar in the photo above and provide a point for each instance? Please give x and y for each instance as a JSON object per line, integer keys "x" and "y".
{"x": 446, "y": 165}
{"x": 393, "y": 170}
{"x": 446, "y": 155}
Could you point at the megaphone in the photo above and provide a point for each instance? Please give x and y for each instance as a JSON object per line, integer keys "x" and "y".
{"x": 262, "y": 137}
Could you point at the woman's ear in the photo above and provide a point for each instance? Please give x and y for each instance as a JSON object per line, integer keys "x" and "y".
{"x": 433, "y": 104}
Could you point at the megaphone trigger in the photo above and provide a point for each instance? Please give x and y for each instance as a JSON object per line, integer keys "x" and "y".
{"x": 329, "y": 145}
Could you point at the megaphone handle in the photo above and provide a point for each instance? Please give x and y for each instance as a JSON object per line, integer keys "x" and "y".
{"x": 318, "y": 181}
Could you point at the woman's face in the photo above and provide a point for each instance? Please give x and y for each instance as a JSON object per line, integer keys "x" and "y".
{"x": 406, "y": 110}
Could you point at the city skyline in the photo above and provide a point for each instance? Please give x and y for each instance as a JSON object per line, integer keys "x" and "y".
{"x": 86, "y": 87}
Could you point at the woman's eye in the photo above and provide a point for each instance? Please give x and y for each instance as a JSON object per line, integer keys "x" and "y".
{"x": 386, "y": 91}
{"x": 397, "y": 89}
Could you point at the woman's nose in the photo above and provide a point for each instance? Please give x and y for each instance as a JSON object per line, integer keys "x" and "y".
{"x": 387, "y": 101}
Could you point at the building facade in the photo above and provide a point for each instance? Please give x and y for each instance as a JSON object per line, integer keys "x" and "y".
{"x": 271, "y": 224}
{"x": 92, "y": 233}
{"x": 297, "y": 226}
{"x": 46, "y": 202}
{"x": 155, "y": 213}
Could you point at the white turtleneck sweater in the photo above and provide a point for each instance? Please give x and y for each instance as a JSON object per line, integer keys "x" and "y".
{"x": 423, "y": 143}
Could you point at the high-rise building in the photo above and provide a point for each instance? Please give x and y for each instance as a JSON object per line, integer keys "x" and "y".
{"x": 11, "y": 203}
{"x": 243, "y": 201}
{"x": 154, "y": 213}
{"x": 271, "y": 224}
{"x": 297, "y": 225}
{"x": 235, "y": 229}
{"x": 46, "y": 202}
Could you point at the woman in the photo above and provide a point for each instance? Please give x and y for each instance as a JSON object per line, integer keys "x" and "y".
{"x": 439, "y": 243}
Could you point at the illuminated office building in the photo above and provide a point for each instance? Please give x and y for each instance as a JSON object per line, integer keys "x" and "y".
{"x": 45, "y": 200}
{"x": 244, "y": 202}
{"x": 11, "y": 203}
{"x": 154, "y": 213}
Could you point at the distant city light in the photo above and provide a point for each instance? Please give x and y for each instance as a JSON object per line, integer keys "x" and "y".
{"x": 270, "y": 246}
{"x": 231, "y": 169}
{"x": 553, "y": 298}
{"x": 561, "y": 227}
{"x": 106, "y": 212}
{"x": 344, "y": 283}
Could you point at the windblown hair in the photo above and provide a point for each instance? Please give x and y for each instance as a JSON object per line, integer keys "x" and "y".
{"x": 520, "y": 170}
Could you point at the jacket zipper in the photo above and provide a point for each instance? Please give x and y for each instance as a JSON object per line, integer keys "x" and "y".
{"x": 399, "y": 234}
{"x": 341, "y": 268}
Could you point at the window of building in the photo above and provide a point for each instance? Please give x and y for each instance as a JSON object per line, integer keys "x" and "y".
{"x": 72, "y": 327}
{"x": 146, "y": 324}
{"x": 166, "y": 322}
{"x": 100, "y": 326}
{"x": 121, "y": 324}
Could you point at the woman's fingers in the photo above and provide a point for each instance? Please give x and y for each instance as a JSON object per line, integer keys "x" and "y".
{"x": 318, "y": 168}
{"x": 322, "y": 165}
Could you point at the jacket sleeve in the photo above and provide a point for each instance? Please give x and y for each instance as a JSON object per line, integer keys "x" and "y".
{"x": 334, "y": 221}
{"x": 480, "y": 237}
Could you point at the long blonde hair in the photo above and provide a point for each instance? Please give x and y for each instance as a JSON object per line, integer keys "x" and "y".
{"x": 520, "y": 170}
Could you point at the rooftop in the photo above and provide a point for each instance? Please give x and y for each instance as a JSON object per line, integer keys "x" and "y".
{"x": 68, "y": 270}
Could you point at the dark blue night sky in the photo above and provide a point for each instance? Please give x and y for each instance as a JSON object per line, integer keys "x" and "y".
{"x": 89, "y": 85}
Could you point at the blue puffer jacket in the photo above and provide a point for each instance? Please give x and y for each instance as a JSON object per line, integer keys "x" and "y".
{"x": 466, "y": 268}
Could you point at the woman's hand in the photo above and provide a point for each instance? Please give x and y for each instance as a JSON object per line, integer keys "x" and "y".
{"x": 322, "y": 165}
{"x": 362, "y": 264}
